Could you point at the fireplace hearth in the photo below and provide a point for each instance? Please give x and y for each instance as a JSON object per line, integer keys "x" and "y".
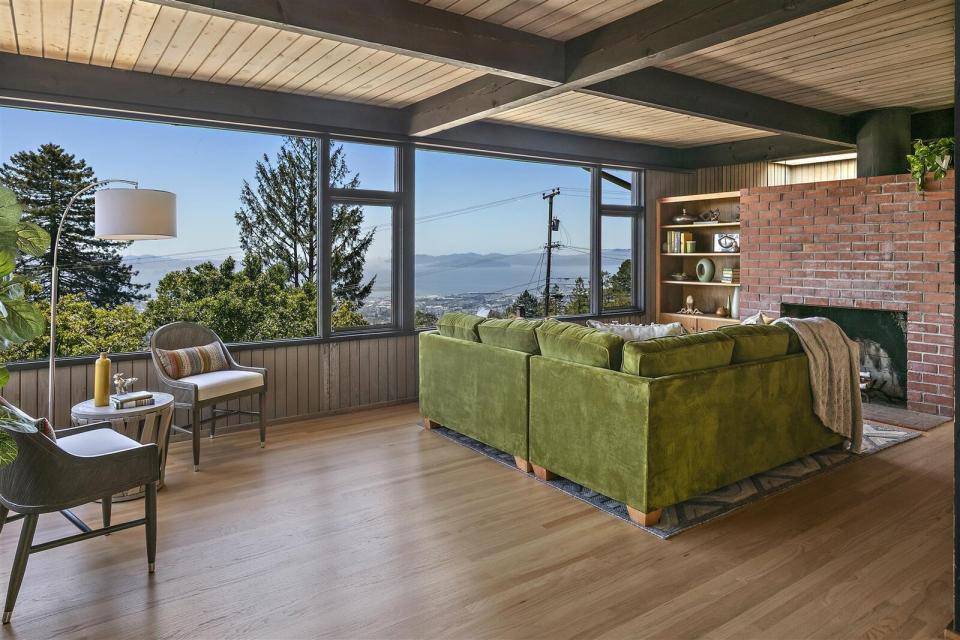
{"x": 882, "y": 336}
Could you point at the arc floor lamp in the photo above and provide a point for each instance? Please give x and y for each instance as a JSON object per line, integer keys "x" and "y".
{"x": 119, "y": 214}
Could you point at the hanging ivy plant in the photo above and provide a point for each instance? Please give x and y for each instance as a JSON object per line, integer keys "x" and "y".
{"x": 935, "y": 157}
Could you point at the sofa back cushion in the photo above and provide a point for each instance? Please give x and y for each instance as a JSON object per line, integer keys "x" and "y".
{"x": 517, "y": 334}
{"x": 638, "y": 331}
{"x": 677, "y": 354}
{"x": 191, "y": 361}
{"x": 583, "y": 345}
{"x": 463, "y": 326}
{"x": 757, "y": 341}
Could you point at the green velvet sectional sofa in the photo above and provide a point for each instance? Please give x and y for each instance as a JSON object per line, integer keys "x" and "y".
{"x": 649, "y": 424}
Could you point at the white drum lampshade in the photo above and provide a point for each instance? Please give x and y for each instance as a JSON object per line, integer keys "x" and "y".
{"x": 135, "y": 214}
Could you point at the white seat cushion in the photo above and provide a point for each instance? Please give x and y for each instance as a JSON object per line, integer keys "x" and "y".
{"x": 222, "y": 383}
{"x": 96, "y": 443}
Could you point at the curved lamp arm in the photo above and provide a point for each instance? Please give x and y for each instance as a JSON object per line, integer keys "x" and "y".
{"x": 55, "y": 279}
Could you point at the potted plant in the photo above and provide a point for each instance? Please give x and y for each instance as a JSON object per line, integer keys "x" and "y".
{"x": 20, "y": 319}
{"x": 934, "y": 157}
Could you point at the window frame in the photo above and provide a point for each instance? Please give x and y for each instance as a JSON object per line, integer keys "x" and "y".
{"x": 636, "y": 211}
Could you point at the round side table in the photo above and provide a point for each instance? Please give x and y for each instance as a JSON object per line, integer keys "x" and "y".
{"x": 145, "y": 424}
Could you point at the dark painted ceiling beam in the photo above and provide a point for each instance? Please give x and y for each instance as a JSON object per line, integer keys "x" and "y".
{"x": 648, "y": 37}
{"x": 403, "y": 27}
{"x": 757, "y": 149}
{"x": 50, "y": 84}
{"x": 670, "y": 91}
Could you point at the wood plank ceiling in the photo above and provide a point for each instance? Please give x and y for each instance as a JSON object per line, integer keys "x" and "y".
{"x": 137, "y": 35}
{"x": 608, "y": 118}
{"x": 865, "y": 54}
{"x": 861, "y": 55}
{"x": 557, "y": 19}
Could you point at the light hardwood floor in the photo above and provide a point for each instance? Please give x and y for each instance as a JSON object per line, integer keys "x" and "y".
{"x": 367, "y": 526}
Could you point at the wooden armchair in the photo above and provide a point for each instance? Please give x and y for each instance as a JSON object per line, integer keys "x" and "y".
{"x": 196, "y": 392}
{"x": 84, "y": 464}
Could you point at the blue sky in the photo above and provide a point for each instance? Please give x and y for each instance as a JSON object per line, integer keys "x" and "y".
{"x": 205, "y": 167}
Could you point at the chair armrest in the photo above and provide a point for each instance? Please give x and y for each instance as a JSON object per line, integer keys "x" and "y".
{"x": 183, "y": 392}
{"x": 72, "y": 431}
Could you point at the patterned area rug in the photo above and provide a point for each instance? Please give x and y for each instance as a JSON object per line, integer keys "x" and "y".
{"x": 696, "y": 511}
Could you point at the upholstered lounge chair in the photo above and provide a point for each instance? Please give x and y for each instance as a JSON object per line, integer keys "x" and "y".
{"x": 196, "y": 392}
{"x": 87, "y": 463}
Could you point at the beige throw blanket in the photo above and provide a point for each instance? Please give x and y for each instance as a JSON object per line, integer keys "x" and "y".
{"x": 834, "y": 375}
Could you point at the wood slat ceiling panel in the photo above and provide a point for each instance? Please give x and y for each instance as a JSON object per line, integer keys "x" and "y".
{"x": 557, "y": 19}
{"x": 142, "y": 36}
{"x": 862, "y": 55}
{"x": 596, "y": 116}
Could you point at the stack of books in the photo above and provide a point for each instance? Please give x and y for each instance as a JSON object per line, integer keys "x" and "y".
{"x": 730, "y": 275}
{"x": 132, "y": 399}
{"x": 677, "y": 241}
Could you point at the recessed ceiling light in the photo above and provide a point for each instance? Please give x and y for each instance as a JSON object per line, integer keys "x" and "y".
{"x": 815, "y": 159}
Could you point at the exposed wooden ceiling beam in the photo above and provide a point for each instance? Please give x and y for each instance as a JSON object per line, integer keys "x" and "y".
{"x": 41, "y": 83}
{"x": 756, "y": 150}
{"x": 403, "y": 27}
{"x": 670, "y": 91}
{"x": 661, "y": 32}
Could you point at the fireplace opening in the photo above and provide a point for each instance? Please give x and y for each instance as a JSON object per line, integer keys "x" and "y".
{"x": 882, "y": 336}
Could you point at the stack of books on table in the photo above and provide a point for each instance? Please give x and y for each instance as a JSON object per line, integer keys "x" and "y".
{"x": 132, "y": 399}
{"x": 730, "y": 275}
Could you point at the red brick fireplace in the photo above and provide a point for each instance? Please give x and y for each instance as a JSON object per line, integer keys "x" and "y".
{"x": 868, "y": 243}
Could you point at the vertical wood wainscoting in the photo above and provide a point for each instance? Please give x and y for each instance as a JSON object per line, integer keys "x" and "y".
{"x": 305, "y": 380}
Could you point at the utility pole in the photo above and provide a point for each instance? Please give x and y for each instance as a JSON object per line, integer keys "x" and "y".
{"x": 553, "y": 224}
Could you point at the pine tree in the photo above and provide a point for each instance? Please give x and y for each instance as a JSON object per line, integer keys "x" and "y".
{"x": 278, "y": 220}
{"x": 579, "y": 300}
{"x": 44, "y": 181}
{"x": 526, "y": 305}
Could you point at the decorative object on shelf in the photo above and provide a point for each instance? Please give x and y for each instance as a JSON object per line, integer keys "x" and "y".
{"x": 721, "y": 312}
{"x": 131, "y": 399}
{"x": 690, "y": 246}
{"x": 736, "y": 213}
{"x": 683, "y": 218}
{"x": 689, "y": 308}
{"x": 101, "y": 381}
{"x": 681, "y": 276}
{"x": 730, "y": 275}
{"x": 710, "y": 217}
{"x": 122, "y": 383}
{"x": 726, "y": 243}
{"x": 119, "y": 214}
{"x": 665, "y": 247}
{"x": 735, "y": 304}
{"x": 706, "y": 270}
{"x": 933, "y": 157}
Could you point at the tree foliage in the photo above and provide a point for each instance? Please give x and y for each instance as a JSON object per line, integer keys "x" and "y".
{"x": 43, "y": 182}
{"x": 617, "y": 291}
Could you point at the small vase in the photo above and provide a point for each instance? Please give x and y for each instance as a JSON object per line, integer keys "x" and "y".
{"x": 101, "y": 381}
{"x": 735, "y": 304}
{"x": 705, "y": 270}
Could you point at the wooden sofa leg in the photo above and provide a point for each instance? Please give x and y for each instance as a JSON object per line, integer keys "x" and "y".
{"x": 429, "y": 424}
{"x": 644, "y": 519}
{"x": 543, "y": 474}
{"x": 522, "y": 464}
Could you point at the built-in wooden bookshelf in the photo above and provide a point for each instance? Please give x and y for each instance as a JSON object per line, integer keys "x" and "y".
{"x": 708, "y": 296}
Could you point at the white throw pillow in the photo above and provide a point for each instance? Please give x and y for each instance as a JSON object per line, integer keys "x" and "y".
{"x": 639, "y": 332}
{"x": 757, "y": 318}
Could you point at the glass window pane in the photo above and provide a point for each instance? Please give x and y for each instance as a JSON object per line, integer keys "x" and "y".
{"x": 481, "y": 230}
{"x": 615, "y": 262}
{"x": 616, "y": 186}
{"x": 362, "y": 266}
{"x": 358, "y": 165}
{"x": 244, "y": 262}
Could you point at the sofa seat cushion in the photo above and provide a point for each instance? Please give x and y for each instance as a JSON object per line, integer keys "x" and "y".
{"x": 757, "y": 341}
{"x": 677, "y": 354}
{"x": 517, "y": 334}
{"x": 583, "y": 345}
{"x": 463, "y": 326}
{"x": 96, "y": 443}
{"x": 639, "y": 331}
{"x": 222, "y": 383}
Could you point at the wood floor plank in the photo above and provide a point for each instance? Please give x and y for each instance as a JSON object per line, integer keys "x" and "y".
{"x": 364, "y": 525}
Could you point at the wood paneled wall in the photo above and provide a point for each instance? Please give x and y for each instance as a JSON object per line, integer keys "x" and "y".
{"x": 304, "y": 380}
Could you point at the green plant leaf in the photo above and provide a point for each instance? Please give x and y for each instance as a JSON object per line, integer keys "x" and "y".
{"x": 10, "y": 209}
{"x": 8, "y": 262}
{"x": 23, "y": 322}
{"x": 4, "y": 376}
{"x": 32, "y": 239}
{"x": 8, "y": 449}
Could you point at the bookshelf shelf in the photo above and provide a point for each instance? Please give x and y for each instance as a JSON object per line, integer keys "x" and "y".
{"x": 671, "y": 295}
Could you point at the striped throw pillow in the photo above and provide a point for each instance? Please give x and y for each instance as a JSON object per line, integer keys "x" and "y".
{"x": 180, "y": 363}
